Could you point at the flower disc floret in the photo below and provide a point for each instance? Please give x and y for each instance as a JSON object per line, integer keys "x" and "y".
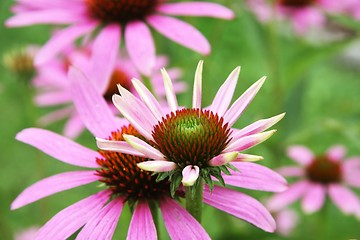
{"x": 323, "y": 170}
{"x": 296, "y": 3}
{"x": 191, "y": 137}
{"x": 120, "y": 11}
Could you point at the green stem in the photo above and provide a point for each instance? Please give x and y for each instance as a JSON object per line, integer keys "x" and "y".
{"x": 194, "y": 199}
{"x": 155, "y": 214}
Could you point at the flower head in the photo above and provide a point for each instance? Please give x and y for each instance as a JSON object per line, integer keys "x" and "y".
{"x": 133, "y": 17}
{"x": 327, "y": 173}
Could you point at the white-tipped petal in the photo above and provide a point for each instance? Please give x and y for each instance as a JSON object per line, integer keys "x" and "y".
{"x": 169, "y": 90}
{"x": 223, "y": 159}
{"x": 249, "y": 141}
{"x": 157, "y": 166}
{"x": 242, "y": 157}
{"x": 197, "y": 92}
{"x": 190, "y": 174}
{"x": 117, "y": 146}
{"x": 143, "y": 147}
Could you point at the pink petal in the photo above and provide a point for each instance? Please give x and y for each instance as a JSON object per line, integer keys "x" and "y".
{"x": 249, "y": 141}
{"x": 225, "y": 93}
{"x": 241, "y": 206}
{"x": 224, "y": 158}
{"x": 346, "y": 200}
{"x": 282, "y": 200}
{"x": 157, "y": 166}
{"x": 102, "y": 225}
{"x": 200, "y": 9}
{"x": 180, "y": 32}
{"x": 336, "y": 153}
{"x": 143, "y": 147}
{"x": 59, "y": 147}
{"x": 74, "y": 126}
{"x": 197, "y": 91}
{"x": 52, "y": 185}
{"x": 314, "y": 198}
{"x": 61, "y": 40}
{"x": 104, "y": 54}
{"x": 55, "y": 116}
{"x": 189, "y": 175}
{"x": 300, "y": 154}
{"x": 169, "y": 90}
{"x": 69, "y": 220}
{"x": 179, "y": 223}
{"x": 286, "y": 221}
{"x": 91, "y": 106}
{"x": 242, "y": 102}
{"x": 117, "y": 146}
{"x": 142, "y": 224}
{"x": 53, "y": 98}
{"x": 140, "y": 46}
{"x": 291, "y": 171}
{"x": 255, "y": 176}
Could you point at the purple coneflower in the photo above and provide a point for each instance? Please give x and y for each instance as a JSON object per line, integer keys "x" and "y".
{"x": 320, "y": 175}
{"x": 130, "y": 16}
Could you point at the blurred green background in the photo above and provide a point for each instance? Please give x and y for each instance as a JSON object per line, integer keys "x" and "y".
{"x": 317, "y": 84}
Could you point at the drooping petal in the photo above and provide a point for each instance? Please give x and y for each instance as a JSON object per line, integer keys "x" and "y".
{"x": 291, "y": 171}
{"x": 61, "y": 40}
{"x": 225, "y": 93}
{"x": 346, "y": 200}
{"x": 69, "y": 220}
{"x": 242, "y": 102}
{"x": 59, "y": 147}
{"x": 103, "y": 56}
{"x": 300, "y": 154}
{"x": 223, "y": 158}
{"x": 189, "y": 175}
{"x": 180, "y": 32}
{"x": 314, "y": 198}
{"x": 169, "y": 90}
{"x": 179, "y": 223}
{"x": 255, "y": 176}
{"x": 73, "y": 127}
{"x": 140, "y": 46}
{"x": 249, "y": 141}
{"x": 336, "y": 153}
{"x": 142, "y": 224}
{"x": 157, "y": 166}
{"x": 282, "y": 200}
{"x": 117, "y": 146}
{"x": 144, "y": 147}
{"x": 286, "y": 221}
{"x": 91, "y": 106}
{"x": 242, "y": 157}
{"x": 197, "y": 92}
{"x": 52, "y": 98}
{"x": 199, "y": 9}
{"x": 52, "y": 185}
{"x": 102, "y": 225}
{"x": 240, "y": 205}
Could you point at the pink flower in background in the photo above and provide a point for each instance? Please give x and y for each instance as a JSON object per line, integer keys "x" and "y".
{"x": 304, "y": 14}
{"x": 328, "y": 174}
{"x": 26, "y": 234}
{"x": 129, "y": 16}
{"x": 192, "y": 143}
{"x": 124, "y": 182}
{"x": 54, "y": 88}
{"x": 286, "y": 221}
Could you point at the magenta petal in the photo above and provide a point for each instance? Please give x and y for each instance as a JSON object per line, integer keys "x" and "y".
{"x": 74, "y": 126}
{"x": 336, "y": 153}
{"x": 142, "y": 224}
{"x": 203, "y": 9}
{"x": 92, "y": 107}
{"x": 291, "y": 171}
{"x": 179, "y": 223}
{"x": 346, "y": 200}
{"x": 240, "y": 205}
{"x": 140, "y": 46}
{"x": 104, "y": 53}
{"x": 300, "y": 154}
{"x": 59, "y": 147}
{"x": 61, "y": 40}
{"x": 180, "y": 32}
{"x": 314, "y": 198}
{"x": 102, "y": 225}
{"x": 282, "y": 200}
{"x": 52, "y": 185}
{"x": 69, "y": 220}
{"x": 254, "y": 176}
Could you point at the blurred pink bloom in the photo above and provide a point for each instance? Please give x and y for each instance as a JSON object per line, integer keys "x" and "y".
{"x": 304, "y": 14}
{"x": 193, "y": 143}
{"x": 26, "y": 234}
{"x": 131, "y": 17}
{"x": 286, "y": 221}
{"x": 320, "y": 175}
{"x": 124, "y": 182}
{"x": 54, "y": 88}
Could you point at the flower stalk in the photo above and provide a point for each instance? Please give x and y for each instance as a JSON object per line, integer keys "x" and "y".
{"x": 194, "y": 199}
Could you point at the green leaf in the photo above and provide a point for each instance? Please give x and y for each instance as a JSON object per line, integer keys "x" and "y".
{"x": 175, "y": 182}
{"x": 232, "y": 167}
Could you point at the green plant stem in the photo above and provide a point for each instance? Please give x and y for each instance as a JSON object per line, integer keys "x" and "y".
{"x": 194, "y": 201}
{"x": 155, "y": 214}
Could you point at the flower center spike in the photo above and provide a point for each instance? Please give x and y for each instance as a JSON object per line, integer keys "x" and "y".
{"x": 120, "y": 11}
{"x": 191, "y": 137}
{"x": 121, "y": 174}
{"x": 117, "y": 77}
{"x": 296, "y": 3}
{"x": 324, "y": 170}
